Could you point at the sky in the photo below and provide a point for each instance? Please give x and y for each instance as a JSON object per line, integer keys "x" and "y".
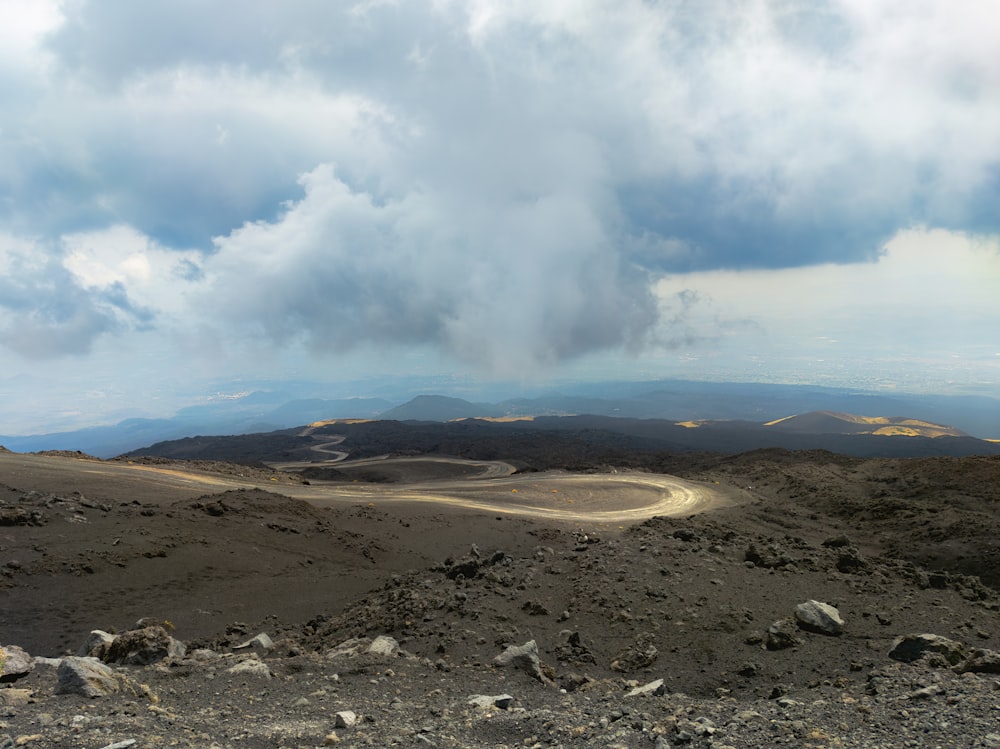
{"x": 198, "y": 194}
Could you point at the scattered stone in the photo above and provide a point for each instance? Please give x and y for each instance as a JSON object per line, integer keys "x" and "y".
{"x": 11, "y": 697}
{"x": 981, "y": 661}
{"x": 140, "y": 647}
{"x": 837, "y": 542}
{"x": 781, "y": 635}
{"x": 524, "y": 657}
{"x": 850, "y": 561}
{"x": 345, "y": 719}
{"x": 15, "y": 664}
{"x": 535, "y": 608}
{"x": 88, "y": 677}
{"x": 574, "y": 649}
{"x": 502, "y": 701}
{"x": 467, "y": 568}
{"x": 262, "y": 643}
{"x": 910, "y": 648}
{"x": 638, "y": 655}
{"x": 384, "y": 645}
{"x": 251, "y": 667}
{"x": 348, "y": 648}
{"x": 822, "y": 618}
{"x": 654, "y": 687}
{"x": 570, "y": 682}
{"x": 96, "y": 645}
{"x": 203, "y": 655}
{"x": 925, "y": 692}
{"x": 121, "y": 744}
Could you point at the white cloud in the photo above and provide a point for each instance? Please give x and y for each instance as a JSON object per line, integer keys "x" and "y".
{"x": 509, "y": 288}
{"x": 506, "y": 180}
{"x": 23, "y": 26}
{"x": 154, "y": 277}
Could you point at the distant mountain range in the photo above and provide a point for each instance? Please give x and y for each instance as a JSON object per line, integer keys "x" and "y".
{"x": 581, "y": 442}
{"x": 717, "y": 407}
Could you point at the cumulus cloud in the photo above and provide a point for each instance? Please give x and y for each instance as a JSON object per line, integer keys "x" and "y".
{"x": 508, "y": 179}
{"x": 45, "y": 310}
{"x": 509, "y": 288}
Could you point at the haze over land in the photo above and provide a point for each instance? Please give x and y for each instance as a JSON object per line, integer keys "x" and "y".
{"x": 197, "y": 203}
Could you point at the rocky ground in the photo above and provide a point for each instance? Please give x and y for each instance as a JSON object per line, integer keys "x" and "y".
{"x": 392, "y": 626}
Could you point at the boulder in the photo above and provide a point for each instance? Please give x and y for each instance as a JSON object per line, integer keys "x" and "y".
{"x": 345, "y": 719}
{"x": 348, "y": 648}
{"x": 524, "y": 657}
{"x": 262, "y": 643}
{"x": 15, "y": 664}
{"x": 982, "y": 661}
{"x": 910, "y": 648}
{"x": 502, "y": 701}
{"x": 251, "y": 667}
{"x": 573, "y": 681}
{"x": 140, "y": 647}
{"x": 96, "y": 645}
{"x": 781, "y": 635}
{"x": 384, "y": 645}
{"x": 654, "y": 687}
{"x": 88, "y": 677}
{"x": 822, "y": 618}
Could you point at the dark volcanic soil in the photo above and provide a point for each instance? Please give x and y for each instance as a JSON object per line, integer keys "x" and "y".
{"x": 896, "y": 546}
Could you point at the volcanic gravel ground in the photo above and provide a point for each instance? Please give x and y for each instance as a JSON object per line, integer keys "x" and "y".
{"x": 686, "y": 600}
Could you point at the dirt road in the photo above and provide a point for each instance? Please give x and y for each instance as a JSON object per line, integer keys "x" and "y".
{"x": 493, "y": 487}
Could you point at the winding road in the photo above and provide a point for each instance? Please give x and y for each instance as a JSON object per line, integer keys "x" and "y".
{"x": 623, "y": 497}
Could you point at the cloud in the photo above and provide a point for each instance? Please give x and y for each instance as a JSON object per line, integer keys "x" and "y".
{"x": 510, "y": 288}
{"x": 930, "y": 295}
{"x": 504, "y": 181}
{"x": 60, "y": 300}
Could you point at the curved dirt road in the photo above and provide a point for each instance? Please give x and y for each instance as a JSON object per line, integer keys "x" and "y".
{"x": 602, "y": 498}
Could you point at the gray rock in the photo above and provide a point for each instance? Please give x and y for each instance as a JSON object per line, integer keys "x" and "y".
{"x": 638, "y": 655}
{"x": 140, "y": 647}
{"x": 781, "y": 635}
{"x": 345, "y": 719}
{"x": 654, "y": 687}
{"x": 384, "y": 645}
{"x": 348, "y": 648}
{"x": 262, "y": 643}
{"x": 502, "y": 701}
{"x": 573, "y": 681}
{"x": 203, "y": 655}
{"x": 96, "y": 645}
{"x": 11, "y": 697}
{"x": 88, "y": 677}
{"x": 524, "y": 657}
{"x": 15, "y": 664}
{"x": 818, "y": 617}
{"x": 981, "y": 661}
{"x": 910, "y": 648}
{"x": 251, "y": 667}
